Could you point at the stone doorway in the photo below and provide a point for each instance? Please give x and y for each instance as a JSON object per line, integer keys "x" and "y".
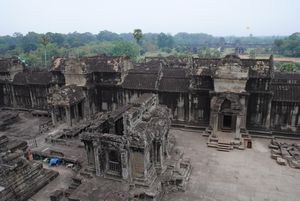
{"x": 227, "y": 121}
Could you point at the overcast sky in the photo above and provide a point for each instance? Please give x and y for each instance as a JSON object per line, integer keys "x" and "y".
{"x": 216, "y": 17}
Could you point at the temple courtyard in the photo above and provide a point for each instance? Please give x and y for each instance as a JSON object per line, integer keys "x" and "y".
{"x": 238, "y": 175}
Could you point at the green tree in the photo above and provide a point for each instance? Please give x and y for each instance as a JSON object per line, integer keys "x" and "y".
{"x": 252, "y": 54}
{"x": 44, "y": 41}
{"x": 107, "y": 36}
{"x": 138, "y": 35}
{"x": 288, "y": 67}
{"x": 124, "y": 48}
{"x": 208, "y": 53}
{"x": 165, "y": 41}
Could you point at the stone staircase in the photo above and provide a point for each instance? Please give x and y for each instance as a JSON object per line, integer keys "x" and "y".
{"x": 25, "y": 180}
{"x": 226, "y": 147}
{"x": 225, "y": 144}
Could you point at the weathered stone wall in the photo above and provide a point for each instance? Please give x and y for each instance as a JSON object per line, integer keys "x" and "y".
{"x": 75, "y": 72}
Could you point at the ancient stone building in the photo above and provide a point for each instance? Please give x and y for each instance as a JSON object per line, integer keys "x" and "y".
{"x": 226, "y": 94}
{"x": 132, "y": 144}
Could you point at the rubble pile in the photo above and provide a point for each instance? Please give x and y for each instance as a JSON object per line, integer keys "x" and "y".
{"x": 285, "y": 154}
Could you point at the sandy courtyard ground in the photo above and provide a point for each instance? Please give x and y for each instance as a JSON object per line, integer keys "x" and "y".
{"x": 249, "y": 175}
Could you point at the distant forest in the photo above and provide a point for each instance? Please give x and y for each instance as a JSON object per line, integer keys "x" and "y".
{"x": 38, "y": 49}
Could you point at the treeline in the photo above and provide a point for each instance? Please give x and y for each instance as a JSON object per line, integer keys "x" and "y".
{"x": 34, "y": 48}
{"x": 289, "y": 46}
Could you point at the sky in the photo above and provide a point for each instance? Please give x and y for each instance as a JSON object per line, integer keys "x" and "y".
{"x": 215, "y": 17}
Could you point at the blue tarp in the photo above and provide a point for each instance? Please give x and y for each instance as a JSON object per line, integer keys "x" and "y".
{"x": 54, "y": 161}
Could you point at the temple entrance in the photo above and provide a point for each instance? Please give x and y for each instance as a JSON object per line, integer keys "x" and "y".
{"x": 227, "y": 121}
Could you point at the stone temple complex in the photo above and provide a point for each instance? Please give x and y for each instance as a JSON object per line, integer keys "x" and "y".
{"x": 117, "y": 116}
{"x": 227, "y": 94}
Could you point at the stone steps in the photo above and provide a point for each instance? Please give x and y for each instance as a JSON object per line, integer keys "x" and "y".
{"x": 26, "y": 181}
{"x": 224, "y": 147}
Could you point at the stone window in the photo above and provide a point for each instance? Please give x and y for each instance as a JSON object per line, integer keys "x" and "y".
{"x": 114, "y": 162}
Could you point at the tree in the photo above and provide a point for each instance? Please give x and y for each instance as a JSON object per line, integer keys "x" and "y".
{"x": 252, "y": 54}
{"x": 44, "y": 41}
{"x": 288, "y": 67}
{"x": 289, "y": 46}
{"x": 165, "y": 41}
{"x": 124, "y": 48}
{"x": 107, "y": 36}
{"x": 208, "y": 53}
{"x": 137, "y": 34}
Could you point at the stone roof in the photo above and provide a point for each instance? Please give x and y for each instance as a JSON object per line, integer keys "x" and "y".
{"x": 144, "y": 76}
{"x": 20, "y": 79}
{"x": 170, "y": 61}
{"x": 179, "y": 85}
{"x": 99, "y": 63}
{"x": 66, "y": 96}
{"x": 6, "y": 64}
{"x": 32, "y": 77}
{"x": 257, "y": 67}
{"x": 102, "y": 63}
{"x": 141, "y": 81}
{"x": 174, "y": 80}
{"x": 175, "y": 72}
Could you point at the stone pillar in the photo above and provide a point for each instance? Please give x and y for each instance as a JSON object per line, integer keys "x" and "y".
{"x": 86, "y": 105}
{"x": 294, "y": 115}
{"x": 161, "y": 154}
{"x": 13, "y": 96}
{"x": 180, "y": 108}
{"x": 124, "y": 163}
{"x": 76, "y": 112}
{"x": 268, "y": 118}
{"x": 97, "y": 148}
{"x": 190, "y": 107}
{"x": 244, "y": 114}
{"x": 68, "y": 115}
{"x": 215, "y": 124}
{"x": 31, "y": 98}
{"x": 238, "y": 127}
{"x": 53, "y": 116}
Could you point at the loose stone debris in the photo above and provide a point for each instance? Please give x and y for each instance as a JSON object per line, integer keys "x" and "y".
{"x": 285, "y": 153}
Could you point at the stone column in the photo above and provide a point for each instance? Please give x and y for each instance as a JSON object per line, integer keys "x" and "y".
{"x": 76, "y": 112}
{"x": 31, "y": 98}
{"x": 294, "y": 115}
{"x": 190, "y": 107}
{"x": 215, "y": 124}
{"x": 68, "y": 115}
{"x": 180, "y": 108}
{"x": 13, "y": 96}
{"x": 97, "y": 148}
{"x": 244, "y": 114}
{"x": 124, "y": 163}
{"x": 238, "y": 127}
{"x": 53, "y": 116}
{"x": 268, "y": 118}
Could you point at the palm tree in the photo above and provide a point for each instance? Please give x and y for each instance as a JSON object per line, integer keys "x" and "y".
{"x": 44, "y": 42}
{"x": 137, "y": 34}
